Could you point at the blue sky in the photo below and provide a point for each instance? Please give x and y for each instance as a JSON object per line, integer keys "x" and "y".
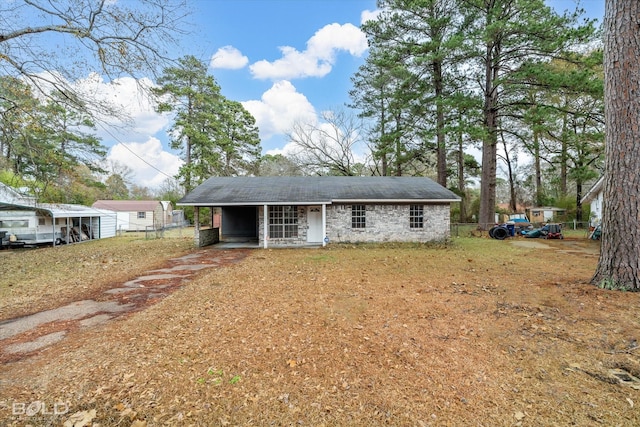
{"x": 283, "y": 59}
{"x": 299, "y": 51}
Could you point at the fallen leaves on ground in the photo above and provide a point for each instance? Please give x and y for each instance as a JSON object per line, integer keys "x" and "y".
{"x": 476, "y": 332}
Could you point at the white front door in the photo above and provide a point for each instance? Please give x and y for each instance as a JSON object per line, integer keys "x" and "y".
{"x": 314, "y": 218}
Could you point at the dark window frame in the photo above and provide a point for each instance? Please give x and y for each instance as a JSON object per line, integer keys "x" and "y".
{"x": 416, "y": 216}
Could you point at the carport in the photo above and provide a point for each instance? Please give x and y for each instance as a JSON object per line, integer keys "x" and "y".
{"x": 239, "y": 223}
{"x": 54, "y": 223}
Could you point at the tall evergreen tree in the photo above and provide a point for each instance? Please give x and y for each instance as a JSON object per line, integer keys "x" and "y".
{"x": 507, "y": 36}
{"x": 404, "y": 85}
{"x": 46, "y": 144}
{"x": 216, "y": 136}
{"x": 193, "y": 96}
{"x": 238, "y": 140}
{"x": 619, "y": 263}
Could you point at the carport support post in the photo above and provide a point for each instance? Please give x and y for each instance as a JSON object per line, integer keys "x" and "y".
{"x": 324, "y": 225}
{"x": 196, "y": 223}
{"x": 212, "y": 210}
{"x": 53, "y": 229}
{"x": 265, "y": 226}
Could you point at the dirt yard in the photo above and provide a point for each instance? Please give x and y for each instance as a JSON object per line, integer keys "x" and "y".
{"x": 477, "y": 332}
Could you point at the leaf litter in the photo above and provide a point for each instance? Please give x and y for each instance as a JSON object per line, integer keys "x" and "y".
{"x": 475, "y": 332}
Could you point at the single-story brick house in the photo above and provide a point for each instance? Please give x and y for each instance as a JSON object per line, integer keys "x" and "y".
{"x": 139, "y": 215}
{"x": 295, "y": 211}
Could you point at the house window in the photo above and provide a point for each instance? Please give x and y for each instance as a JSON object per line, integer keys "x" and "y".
{"x": 283, "y": 222}
{"x": 41, "y": 221}
{"x": 358, "y": 216}
{"x": 142, "y": 215}
{"x": 416, "y": 216}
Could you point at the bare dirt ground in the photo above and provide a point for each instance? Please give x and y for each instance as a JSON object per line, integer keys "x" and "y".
{"x": 477, "y": 332}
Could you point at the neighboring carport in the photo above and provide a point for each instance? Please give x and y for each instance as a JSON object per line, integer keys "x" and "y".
{"x": 95, "y": 223}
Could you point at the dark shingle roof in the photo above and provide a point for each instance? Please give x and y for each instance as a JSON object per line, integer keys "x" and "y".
{"x": 221, "y": 191}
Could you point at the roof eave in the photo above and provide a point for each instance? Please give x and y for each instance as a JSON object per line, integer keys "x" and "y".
{"x": 325, "y": 202}
{"x": 222, "y": 204}
{"x": 404, "y": 201}
{"x": 593, "y": 191}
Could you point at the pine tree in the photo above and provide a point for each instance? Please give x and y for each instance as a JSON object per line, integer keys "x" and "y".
{"x": 216, "y": 136}
{"x": 619, "y": 264}
{"x": 505, "y": 36}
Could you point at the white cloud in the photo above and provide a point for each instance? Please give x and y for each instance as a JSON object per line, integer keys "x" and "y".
{"x": 129, "y": 97}
{"x": 228, "y": 57}
{"x": 148, "y": 160}
{"x": 369, "y": 15}
{"x": 318, "y": 59}
{"x": 130, "y": 133}
{"x": 131, "y": 136}
{"x": 278, "y": 108}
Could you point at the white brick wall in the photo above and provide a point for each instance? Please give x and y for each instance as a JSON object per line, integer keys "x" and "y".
{"x": 384, "y": 223}
{"x": 388, "y": 223}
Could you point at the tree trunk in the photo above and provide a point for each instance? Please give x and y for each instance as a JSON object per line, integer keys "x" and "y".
{"x": 441, "y": 151}
{"x": 490, "y": 143}
{"x": 398, "y": 147}
{"x": 619, "y": 264}
{"x": 398, "y": 157}
{"x": 461, "y": 183}
{"x": 513, "y": 204}
{"x": 488, "y": 178}
{"x": 187, "y": 181}
{"x": 538, "y": 167}
{"x": 578, "y": 203}
{"x": 383, "y": 141}
{"x": 187, "y": 149}
{"x": 564, "y": 156}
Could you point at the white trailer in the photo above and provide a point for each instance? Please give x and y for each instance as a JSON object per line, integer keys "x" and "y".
{"x": 53, "y": 224}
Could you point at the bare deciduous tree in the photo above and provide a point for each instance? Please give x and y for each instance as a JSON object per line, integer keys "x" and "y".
{"x": 53, "y": 43}
{"x": 328, "y": 148}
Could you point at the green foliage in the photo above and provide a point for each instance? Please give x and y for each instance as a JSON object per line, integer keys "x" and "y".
{"x": 216, "y": 136}
{"x": 170, "y": 190}
{"x": 481, "y": 72}
{"x": 611, "y": 284}
{"x": 116, "y": 188}
{"x": 43, "y": 145}
{"x": 9, "y": 178}
{"x": 408, "y": 84}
